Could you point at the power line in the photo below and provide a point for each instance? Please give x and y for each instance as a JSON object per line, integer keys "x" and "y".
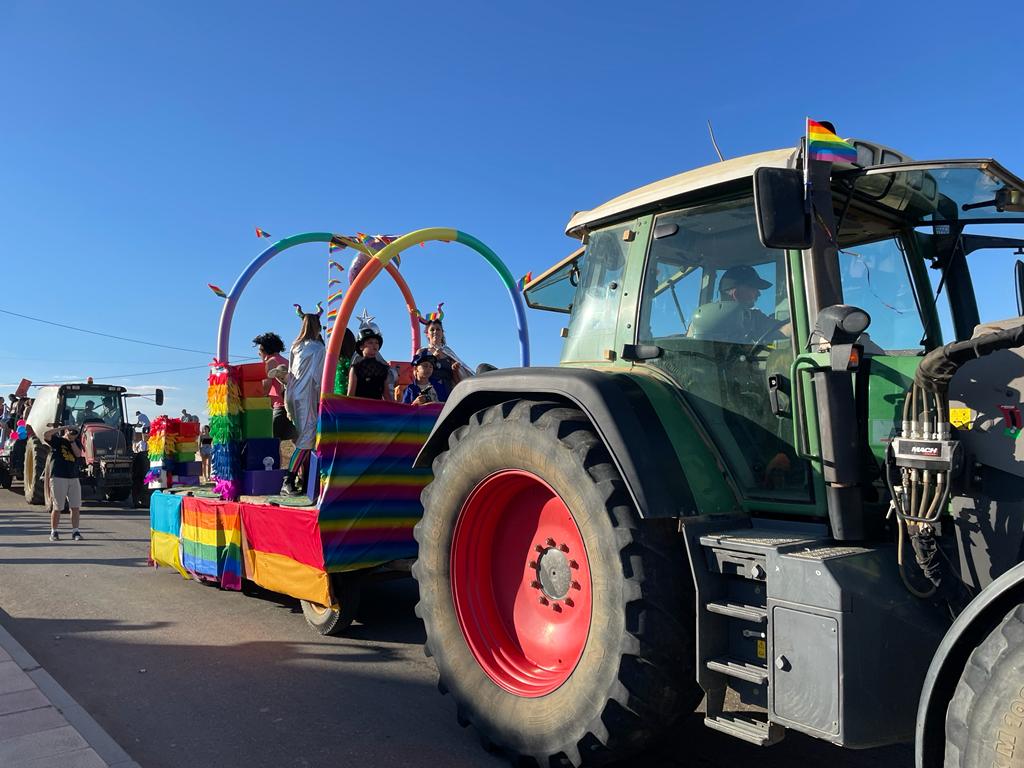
{"x": 106, "y": 335}
{"x": 125, "y": 376}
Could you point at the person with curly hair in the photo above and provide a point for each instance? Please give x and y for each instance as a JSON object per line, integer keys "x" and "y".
{"x": 269, "y": 347}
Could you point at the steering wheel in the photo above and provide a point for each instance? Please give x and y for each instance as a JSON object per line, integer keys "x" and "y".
{"x": 760, "y": 342}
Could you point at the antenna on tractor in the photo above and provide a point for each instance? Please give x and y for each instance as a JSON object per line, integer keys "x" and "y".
{"x": 715, "y": 143}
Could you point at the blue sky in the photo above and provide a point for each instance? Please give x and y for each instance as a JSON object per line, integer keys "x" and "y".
{"x": 140, "y": 143}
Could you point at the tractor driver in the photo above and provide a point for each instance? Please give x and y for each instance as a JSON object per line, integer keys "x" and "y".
{"x": 733, "y": 318}
{"x": 108, "y": 411}
{"x": 88, "y": 413}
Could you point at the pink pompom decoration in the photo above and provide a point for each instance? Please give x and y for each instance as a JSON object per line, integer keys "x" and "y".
{"x": 227, "y": 489}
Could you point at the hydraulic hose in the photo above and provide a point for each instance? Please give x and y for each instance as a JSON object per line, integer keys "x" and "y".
{"x": 938, "y": 366}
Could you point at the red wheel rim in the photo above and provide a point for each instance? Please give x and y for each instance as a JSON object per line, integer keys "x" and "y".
{"x": 521, "y": 583}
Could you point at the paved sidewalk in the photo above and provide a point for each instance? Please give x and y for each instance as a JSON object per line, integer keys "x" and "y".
{"x": 41, "y": 725}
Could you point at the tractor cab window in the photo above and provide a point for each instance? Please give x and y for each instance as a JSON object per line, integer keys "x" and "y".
{"x": 875, "y": 277}
{"x": 97, "y": 407}
{"x": 716, "y": 302}
{"x": 594, "y": 310}
{"x": 555, "y": 289}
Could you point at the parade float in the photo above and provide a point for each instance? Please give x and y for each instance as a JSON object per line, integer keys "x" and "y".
{"x": 363, "y": 497}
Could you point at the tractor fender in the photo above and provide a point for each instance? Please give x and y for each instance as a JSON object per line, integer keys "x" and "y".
{"x": 616, "y": 406}
{"x": 970, "y": 628}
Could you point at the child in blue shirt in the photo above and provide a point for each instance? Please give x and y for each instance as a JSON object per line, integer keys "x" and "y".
{"x": 421, "y": 391}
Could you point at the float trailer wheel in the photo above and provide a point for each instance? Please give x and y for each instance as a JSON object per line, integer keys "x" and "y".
{"x": 347, "y": 588}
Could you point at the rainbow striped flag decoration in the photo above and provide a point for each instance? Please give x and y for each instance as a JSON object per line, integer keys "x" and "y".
{"x": 211, "y": 540}
{"x": 371, "y": 496}
{"x": 824, "y": 145}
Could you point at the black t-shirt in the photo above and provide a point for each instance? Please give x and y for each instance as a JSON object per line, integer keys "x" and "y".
{"x": 371, "y": 378}
{"x": 62, "y": 457}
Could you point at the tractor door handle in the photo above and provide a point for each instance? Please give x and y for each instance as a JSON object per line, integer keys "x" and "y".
{"x": 777, "y": 383}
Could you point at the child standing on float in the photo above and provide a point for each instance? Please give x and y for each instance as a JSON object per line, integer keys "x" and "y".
{"x": 370, "y": 376}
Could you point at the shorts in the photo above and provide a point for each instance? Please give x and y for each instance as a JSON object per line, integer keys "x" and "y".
{"x": 206, "y": 451}
{"x": 283, "y": 427}
{"x": 65, "y": 488}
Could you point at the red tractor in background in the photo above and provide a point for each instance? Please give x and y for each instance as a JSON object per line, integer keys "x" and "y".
{"x": 98, "y": 411}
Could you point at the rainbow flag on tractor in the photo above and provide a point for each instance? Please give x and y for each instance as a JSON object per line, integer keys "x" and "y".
{"x": 824, "y": 145}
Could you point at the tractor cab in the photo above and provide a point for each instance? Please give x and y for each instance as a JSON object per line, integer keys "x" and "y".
{"x": 98, "y": 412}
{"x": 675, "y": 281}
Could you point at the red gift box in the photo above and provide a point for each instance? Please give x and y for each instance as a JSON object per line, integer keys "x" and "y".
{"x": 252, "y": 372}
{"x": 253, "y": 389}
{"x": 187, "y": 429}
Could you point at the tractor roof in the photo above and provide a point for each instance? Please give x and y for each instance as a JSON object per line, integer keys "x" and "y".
{"x": 88, "y": 387}
{"x": 650, "y": 195}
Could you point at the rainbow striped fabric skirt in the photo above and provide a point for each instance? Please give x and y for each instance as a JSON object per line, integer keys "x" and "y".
{"x": 371, "y": 493}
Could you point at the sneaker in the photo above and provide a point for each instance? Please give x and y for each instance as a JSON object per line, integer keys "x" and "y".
{"x": 288, "y": 488}
{"x": 54, "y": 536}
{"x": 76, "y": 536}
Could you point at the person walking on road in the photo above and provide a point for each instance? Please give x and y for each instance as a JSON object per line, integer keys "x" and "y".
{"x": 64, "y": 484}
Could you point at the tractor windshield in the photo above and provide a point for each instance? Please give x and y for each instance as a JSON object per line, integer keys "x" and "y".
{"x": 97, "y": 406}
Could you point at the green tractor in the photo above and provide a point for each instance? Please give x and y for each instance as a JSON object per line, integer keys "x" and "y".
{"x": 778, "y": 469}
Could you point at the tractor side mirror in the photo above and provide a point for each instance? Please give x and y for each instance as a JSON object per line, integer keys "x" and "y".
{"x": 1018, "y": 274}
{"x": 159, "y": 397}
{"x": 783, "y": 220}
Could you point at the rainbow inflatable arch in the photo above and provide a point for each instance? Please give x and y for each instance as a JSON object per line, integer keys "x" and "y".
{"x": 362, "y": 518}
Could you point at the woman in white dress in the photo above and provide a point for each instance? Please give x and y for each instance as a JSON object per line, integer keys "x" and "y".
{"x": 302, "y": 395}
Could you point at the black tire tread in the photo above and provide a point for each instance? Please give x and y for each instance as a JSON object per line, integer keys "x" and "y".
{"x": 347, "y": 589}
{"x": 35, "y": 493}
{"x": 974, "y": 683}
{"x": 655, "y": 683}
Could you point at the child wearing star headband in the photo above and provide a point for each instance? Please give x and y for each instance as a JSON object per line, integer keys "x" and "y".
{"x": 370, "y": 376}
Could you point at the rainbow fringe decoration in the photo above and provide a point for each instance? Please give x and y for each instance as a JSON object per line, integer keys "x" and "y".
{"x": 224, "y": 404}
{"x": 161, "y": 445}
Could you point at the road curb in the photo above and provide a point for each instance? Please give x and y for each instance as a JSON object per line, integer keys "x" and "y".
{"x": 101, "y": 742}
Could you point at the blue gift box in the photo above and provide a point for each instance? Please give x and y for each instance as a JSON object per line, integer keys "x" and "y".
{"x": 258, "y": 449}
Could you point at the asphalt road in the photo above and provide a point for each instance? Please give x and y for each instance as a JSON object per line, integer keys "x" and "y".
{"x": 187, "y": 675}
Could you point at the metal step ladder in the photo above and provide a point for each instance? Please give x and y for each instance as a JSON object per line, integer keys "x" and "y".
{"x": 733, "y": 639}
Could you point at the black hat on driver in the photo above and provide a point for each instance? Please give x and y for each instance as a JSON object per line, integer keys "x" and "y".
{"x": 741, "y": 275}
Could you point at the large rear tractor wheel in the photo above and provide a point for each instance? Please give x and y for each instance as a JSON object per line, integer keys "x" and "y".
{"x": 561, "y": 623}
{"x": 35, "y": 464}
{"x": 985, "y": 719}
{"x": 347, "y": 588}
